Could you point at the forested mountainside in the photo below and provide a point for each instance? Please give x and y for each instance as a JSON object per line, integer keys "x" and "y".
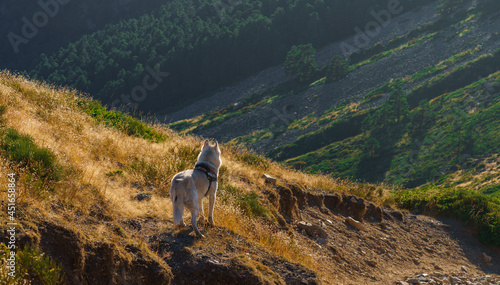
{"x": 202, "y": 45}
{"x": 30, "y": 28}
{"x": 412, "y": 109}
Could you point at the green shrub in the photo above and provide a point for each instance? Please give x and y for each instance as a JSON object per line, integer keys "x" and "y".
{"x": 471, "y": 207}
{"x": 492, "y": 190}
{"x": 247, "y": 202}
{"x": 115, "y": 173}
{"x": 21, "y": 150}
{"x": 300, "y": 61}
{"x": 337, "y": 69}
{"x": 120, "y": 121}
{"x": 254, "y": 160}
{"x": 31, "y": 267}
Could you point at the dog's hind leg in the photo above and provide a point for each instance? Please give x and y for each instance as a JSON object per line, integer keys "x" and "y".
{"x": 211, "y": 201}
{"x": 178, "y": 207}
{"x": 194, "y": 214}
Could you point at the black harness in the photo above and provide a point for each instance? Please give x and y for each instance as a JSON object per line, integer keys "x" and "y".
{"x": 211, "y": 175}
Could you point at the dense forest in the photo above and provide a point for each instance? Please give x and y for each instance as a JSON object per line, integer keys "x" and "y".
{"x": 30, "y": 28}
{"x": 202, "y": 45}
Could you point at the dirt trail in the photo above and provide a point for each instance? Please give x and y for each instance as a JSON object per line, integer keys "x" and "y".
{"x": 392, "y": 247}
{"x": 388, "y": 246}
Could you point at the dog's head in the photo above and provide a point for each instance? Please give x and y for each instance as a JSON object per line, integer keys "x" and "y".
{"x": 210, "y": 153}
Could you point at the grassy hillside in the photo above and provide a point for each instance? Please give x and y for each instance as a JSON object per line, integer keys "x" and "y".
{"x": 78, "y": 166}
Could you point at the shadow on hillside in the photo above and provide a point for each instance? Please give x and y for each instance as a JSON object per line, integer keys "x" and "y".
{"x": 468, "y": 239}
{"x": 172, "y": 242}
{"x": 373, "y": 167}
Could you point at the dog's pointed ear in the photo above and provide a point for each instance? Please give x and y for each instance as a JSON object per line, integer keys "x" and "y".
{"x": 206, "y": 144}
{"x": 217, "y": 146}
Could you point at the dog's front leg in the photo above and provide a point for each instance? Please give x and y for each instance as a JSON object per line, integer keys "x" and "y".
{"x": 211, "y": 201}
{"x": 201, "y": 212}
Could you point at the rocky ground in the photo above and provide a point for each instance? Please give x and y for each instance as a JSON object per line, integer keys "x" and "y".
{"x": 355, "y": 240}
{"x": 349, "y": 240}
{"x": 462, "y": 277}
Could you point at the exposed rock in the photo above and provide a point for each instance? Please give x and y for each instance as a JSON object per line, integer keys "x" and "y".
{"x": 355, "y": 223}
{"x": 288, "y": 204}
{"x": 201, "y": 266}
{"x": 486, "y": 259}
{"x": 142, "y": 197}
{"x": 331, "y": 201}
{"x": 134, "y": 224}
{"x": 269, "y": 179}
{"x": 99, "y": 212}
{"x": 391, "y": 213}
{"x": 437, "y": 267}
{"x": 300, "y": 194}
{"x": 374, "y": 212}
{"x": 414, "y": 281}
{"x": 451, "y": 278}
{"x": 315, "y": 199}
{"x": 353, "y": 206}
{"x": 85, "y": 262}
{"x": 312, "y": 230}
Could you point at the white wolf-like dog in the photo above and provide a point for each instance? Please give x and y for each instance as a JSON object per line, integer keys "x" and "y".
{"x": 189, "y": 187}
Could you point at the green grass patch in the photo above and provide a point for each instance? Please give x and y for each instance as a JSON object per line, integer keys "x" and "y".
{"x": 120, "y": 121}
{"x": 471, "y": 207}
{"x": 23, "y": 152}
{"x": 248, "y": 202}
{"x": 254, "y": 160}
{"x": 115, "y": 173}
{"x": 492, "y": 190}
{"x": 390, "y": 52}
{"x": 431, "y": 70}
{"x": 319, "y": 81}
{"x": 303, "y": 123}
{"x": 250, "y": 139}
{"x": 376, "y": 93}
{"x": 32, "y": 266}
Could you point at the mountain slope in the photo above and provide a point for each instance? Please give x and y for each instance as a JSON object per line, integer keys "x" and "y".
{"x": 449, "y": 62}
{"x": 192, "y": 39}
{"x": 78, "y": 168}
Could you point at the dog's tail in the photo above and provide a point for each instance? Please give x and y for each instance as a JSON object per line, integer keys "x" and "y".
{"x": 177, "y": 203}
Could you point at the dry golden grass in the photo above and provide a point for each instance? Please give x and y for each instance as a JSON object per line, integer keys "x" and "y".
{"x": 90, "y": 150}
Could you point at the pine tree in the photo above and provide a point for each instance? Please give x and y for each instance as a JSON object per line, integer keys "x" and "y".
{"x": 337, "y": 69}
{"x": 300, "y": 61}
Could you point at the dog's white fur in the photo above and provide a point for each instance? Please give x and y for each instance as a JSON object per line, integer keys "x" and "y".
{"x": 188, "y": 188}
